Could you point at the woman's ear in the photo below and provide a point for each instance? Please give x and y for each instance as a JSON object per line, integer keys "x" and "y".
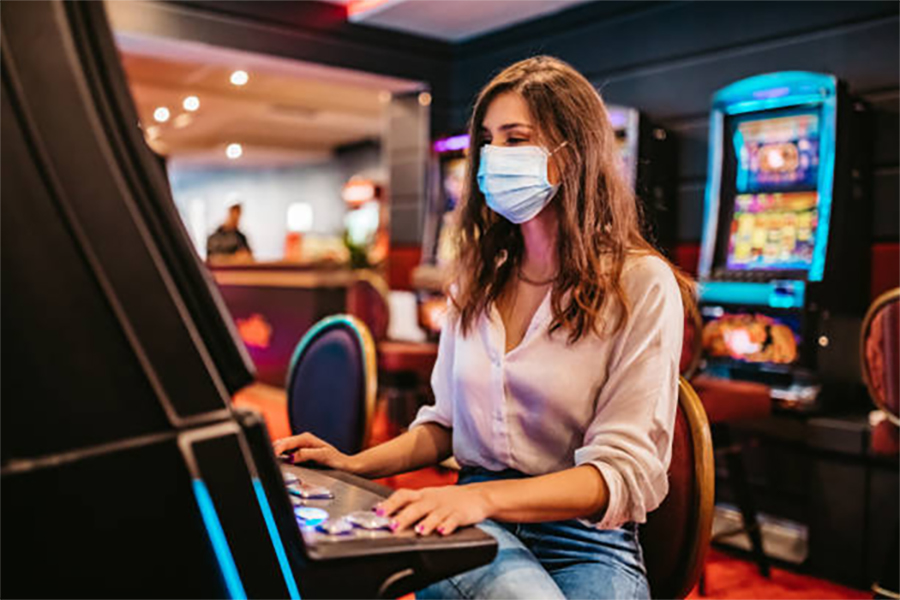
{"x": 553, "y": 169}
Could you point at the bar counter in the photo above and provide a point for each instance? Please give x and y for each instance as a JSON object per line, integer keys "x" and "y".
{"x": 274, "y": 304}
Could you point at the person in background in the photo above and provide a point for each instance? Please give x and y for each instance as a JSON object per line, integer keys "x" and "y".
{"x": 227, "y": 244}
{"x": 556, "y": 381}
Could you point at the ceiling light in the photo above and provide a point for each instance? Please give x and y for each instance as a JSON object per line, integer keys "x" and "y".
{"x": 424, "y": 99}
{"x": 161, "y": 114}
{"x": 240, "y": 78}
{"x": 191, "y": 103}
{"x": 234, "y": 151}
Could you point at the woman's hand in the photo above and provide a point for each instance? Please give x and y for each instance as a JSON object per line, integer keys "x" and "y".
{"x": 440, "y": 509}
{"x": 307, "y": 447}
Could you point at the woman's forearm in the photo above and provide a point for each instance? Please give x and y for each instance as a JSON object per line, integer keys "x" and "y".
{"x": 579, "y": 492}
{"x": 421, "y": 446}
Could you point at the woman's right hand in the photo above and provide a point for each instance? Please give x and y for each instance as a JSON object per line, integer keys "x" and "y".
{"x": 307, "y": 447}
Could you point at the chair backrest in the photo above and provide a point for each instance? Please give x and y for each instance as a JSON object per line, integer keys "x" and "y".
{"x": 692, "y": 345}
{"x": 880, "y": 354}
{"x": 676, "y": 535}
{"x": 332, "y": 382}
{"x": 367, "y": 300}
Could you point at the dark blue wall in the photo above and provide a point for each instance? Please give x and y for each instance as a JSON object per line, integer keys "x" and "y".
{"x": 668, "y": 58}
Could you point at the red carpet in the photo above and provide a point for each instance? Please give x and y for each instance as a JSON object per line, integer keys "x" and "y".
{"x": 730, "y": 577}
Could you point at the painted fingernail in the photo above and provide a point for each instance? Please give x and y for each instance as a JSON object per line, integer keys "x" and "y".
{"x": 394, "y": 525}
{"x": 379, "y": 511}
{"x": 440, "y": 530}
{"x": 419, "y": 529}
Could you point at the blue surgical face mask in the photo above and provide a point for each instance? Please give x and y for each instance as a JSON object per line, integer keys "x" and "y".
{"x": 514, "y": 180}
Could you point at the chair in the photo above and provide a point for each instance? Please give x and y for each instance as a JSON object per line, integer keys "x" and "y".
{"x": 332, "y": 381}
{"x": 880, "y": 358}
{"x": 676, "y": 536}
{"x": 880, "y": 355}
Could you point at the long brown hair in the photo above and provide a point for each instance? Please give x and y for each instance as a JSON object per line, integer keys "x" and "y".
{"x": 598, "y": 214}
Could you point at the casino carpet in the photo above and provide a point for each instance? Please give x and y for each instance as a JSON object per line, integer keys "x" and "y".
{"x": 731, "y": 577}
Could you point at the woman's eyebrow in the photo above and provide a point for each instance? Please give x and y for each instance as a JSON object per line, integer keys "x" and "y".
{"x": 509, "y": 126}
{"x": 506, "y": 127}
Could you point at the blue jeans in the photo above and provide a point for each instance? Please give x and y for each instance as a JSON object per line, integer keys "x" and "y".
{"x": 559, "y": 559}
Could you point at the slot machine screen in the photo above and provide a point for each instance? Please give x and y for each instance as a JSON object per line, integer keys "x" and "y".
{"x": 751, "y": 337}
{"x": 774, "y": 161}
{"x": 772, "y": 231}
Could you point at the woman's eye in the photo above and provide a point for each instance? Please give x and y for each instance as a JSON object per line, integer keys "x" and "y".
{"x": 515, "y": 140}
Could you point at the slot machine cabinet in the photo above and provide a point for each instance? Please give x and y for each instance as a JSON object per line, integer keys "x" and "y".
{"x": 446, "y": 176}
{"x": 126, "y": 472}
{"x": 783, "y": 269}
{"x": 648, "y": 160}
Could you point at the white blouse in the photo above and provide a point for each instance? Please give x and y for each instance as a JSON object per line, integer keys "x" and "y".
{"x": 547, "y": 406}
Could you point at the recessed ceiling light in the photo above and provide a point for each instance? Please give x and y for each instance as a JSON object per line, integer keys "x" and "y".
{"x": 161, "y": 114}
{"x": 239, "y": 78}
{"x": 191, "y": 103}
{"x": 234, "y": 151}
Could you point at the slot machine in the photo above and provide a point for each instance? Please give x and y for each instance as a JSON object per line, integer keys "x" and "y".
{"x": 783, "y": 266}
{"x": 647, "y": 156}
{"x": 447, "y": 176}
{"x": 122, "y": 456}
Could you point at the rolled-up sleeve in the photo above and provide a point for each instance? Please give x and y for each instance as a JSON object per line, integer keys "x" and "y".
{"x": 441, "y": 411}
{"x": 629, "y": 439}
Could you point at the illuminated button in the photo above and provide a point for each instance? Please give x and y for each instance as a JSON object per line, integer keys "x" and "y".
{"x": 309, "y": 492}
{"x": 309, "y": 515}
{"x": 368, "y": 520}
{"x": 340, "y": 526}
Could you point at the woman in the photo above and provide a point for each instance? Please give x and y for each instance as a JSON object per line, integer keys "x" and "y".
{"x": 556, "y": 379}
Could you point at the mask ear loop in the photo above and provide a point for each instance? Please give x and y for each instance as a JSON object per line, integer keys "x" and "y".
{"x": 564, "y": 143}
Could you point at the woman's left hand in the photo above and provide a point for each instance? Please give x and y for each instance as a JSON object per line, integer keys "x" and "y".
{"x": 440, "y": 509}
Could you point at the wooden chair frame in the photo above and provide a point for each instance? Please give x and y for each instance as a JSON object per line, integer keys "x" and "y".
{"x": 704, "y": 499}
{"x": 879, "y": 303}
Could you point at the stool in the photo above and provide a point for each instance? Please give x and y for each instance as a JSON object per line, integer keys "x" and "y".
{"x": 727, "y": 402}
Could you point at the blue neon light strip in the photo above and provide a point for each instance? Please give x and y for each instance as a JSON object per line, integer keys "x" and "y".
{"x": 827, "y": 145}
{"x": 775, "y": 294}
{"x": 219, "y": 542}
{"x": 758, "y": 93}
{"x": 276, "y": 539}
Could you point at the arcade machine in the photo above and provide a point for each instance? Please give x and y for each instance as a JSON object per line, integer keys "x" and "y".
{"x": 783, "y": 267}
{"x": 125, "y": 470}
{"x": 647, "y": 161}
{"x": 447, "y": 180}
